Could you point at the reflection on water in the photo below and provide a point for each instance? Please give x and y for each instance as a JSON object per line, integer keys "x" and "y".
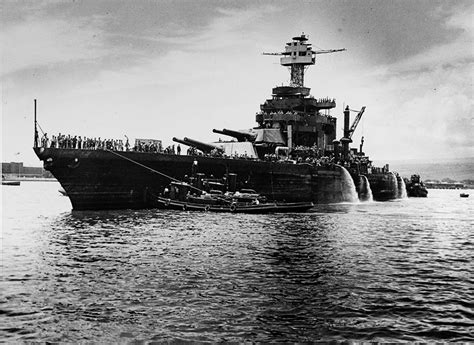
{"x": 368, "y": 271}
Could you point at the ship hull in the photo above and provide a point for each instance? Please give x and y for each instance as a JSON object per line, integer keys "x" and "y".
{"x": 384, "y": 186}
{"x": 98, "y": 179}
{"x": 416, "y": 191}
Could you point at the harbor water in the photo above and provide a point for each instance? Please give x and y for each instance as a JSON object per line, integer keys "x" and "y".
{"x": 366, "y": 271}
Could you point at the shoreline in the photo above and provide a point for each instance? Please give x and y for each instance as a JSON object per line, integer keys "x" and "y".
{"x": 30, "y": 179}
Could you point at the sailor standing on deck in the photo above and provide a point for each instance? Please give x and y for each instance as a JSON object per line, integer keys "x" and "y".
{"x": 127, "y": 144}
{"x": 45, "y": 140}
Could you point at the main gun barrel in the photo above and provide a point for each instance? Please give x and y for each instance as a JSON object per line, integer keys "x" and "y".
{"x": 204, "y": 147}
{"x": 240, "y": 136}
{"x": 180, "y": 141}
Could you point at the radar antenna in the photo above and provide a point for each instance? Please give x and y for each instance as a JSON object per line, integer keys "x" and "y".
{"x": 299, "y": 54}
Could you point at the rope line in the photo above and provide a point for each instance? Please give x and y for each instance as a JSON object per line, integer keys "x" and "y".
{"x": 160, "y": 173}
{"x": 144, "y": 166}
{"x": 41, "y": 129}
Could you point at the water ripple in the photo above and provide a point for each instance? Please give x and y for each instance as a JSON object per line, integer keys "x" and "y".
{"x": 398, "y": 271}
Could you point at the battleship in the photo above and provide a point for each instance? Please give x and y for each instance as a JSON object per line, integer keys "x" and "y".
{"x": 291, "y": 155}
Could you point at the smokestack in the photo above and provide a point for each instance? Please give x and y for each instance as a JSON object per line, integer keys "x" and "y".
{"x": 347, "y": 114}
{"x": 346, "y": 140}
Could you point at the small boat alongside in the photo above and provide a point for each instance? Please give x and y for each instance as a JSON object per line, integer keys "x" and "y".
{"x": 185, "y": 197}
{"x": 235, "y": 207}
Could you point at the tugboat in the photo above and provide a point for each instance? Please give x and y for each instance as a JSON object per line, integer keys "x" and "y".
{"x": 291, "y": 156}
{"x": 415, "y": 187}
{"x": 189, "y": 197}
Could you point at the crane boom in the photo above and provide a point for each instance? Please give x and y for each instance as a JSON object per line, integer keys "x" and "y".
{"x": 356, "y": 122}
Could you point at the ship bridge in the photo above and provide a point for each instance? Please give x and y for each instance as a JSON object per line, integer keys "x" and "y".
{"x": 292, "y": 109}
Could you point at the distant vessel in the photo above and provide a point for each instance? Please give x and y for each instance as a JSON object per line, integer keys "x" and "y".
{"x": 415, "y": 187}
{"x": 292, "y": 155}
{"x": 6, "y": 182}
{"x": 464, "y": 195}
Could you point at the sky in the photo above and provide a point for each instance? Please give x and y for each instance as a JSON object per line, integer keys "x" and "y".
{"x": 159, "y": 69}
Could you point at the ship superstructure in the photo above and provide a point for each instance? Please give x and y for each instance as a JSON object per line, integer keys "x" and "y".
{"x": 292, "y": 117}
{"x": 292, "y": 109}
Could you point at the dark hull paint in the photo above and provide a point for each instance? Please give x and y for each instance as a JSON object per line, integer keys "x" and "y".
{"x": 384, "y": 186}
{"x": 417, "y": 191}
{"x": 97, "y": 179}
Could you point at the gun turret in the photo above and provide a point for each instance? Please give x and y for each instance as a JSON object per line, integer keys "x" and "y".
{"x": 240, "y": 136}
{"x": 204, "y": 147}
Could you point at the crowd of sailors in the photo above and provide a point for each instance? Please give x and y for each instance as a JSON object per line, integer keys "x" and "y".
{"x": 300, "y": 154}
{"x": 304, "y": 154}
{"x": 326, "y": 100}
{"x": 147, "y": 147}
{"x": 62, "y": 141}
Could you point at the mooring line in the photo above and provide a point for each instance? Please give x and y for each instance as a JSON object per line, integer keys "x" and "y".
{"x": 158, "y": 172}
{"x": 144, "y": 166}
